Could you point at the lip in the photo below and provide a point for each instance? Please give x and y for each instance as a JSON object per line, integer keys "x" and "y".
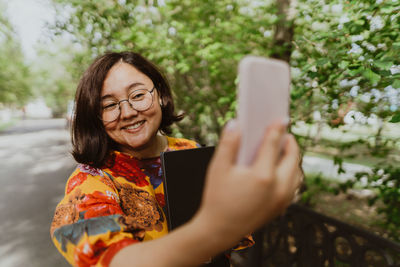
{"x": 133, "y": 130}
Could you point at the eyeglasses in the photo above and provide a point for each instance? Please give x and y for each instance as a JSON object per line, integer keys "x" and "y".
{"x": 139, "y": 100}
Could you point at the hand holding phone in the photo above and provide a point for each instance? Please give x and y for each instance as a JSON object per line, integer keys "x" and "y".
{"x": 263, "y": 98}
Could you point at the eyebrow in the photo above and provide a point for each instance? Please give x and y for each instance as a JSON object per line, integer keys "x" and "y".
{"x": 129, "y": 87}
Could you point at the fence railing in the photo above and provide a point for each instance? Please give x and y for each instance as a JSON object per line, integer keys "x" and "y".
{"x": 305, "y": 238}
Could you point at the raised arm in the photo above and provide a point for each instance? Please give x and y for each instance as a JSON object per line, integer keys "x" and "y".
{"x": 236, "y": 201}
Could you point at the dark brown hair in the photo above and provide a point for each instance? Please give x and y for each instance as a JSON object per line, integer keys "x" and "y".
{"x": 90, "y": 142}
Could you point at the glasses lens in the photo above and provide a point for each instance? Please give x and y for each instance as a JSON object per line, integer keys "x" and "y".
{"x": 140, "y": 100}
{"x": 110, "y": 111}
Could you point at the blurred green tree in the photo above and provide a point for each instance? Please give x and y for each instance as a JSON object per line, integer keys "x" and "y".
{"x": 198, "y": 45}
{"x": 52, "y": 73}
{"x": 14, "y": 85}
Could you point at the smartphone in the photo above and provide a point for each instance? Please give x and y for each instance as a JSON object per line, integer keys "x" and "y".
{"x": 263, "y": 97}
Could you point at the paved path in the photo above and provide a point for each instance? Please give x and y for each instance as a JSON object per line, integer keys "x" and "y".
{"x": 35, "y": 125}
{"x": 34, "y": 167}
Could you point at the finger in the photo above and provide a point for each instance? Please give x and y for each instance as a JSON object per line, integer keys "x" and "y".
{"x": 270, "y": 148}
{"x": 288, "y": 170}
{"x": 228, "y": 147}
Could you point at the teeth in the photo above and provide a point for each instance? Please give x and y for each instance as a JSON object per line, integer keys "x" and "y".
{"x": 135, "y": 126}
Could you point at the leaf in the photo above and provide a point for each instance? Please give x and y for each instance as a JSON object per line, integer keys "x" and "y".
{"x": 360, "y": 22}
{"x": 396, "y": 45}
{"x": 322, "y": 61}
{"x": 395, "y": 118}
{"x": 354, "y": 72}
{"x": 371, "y": 76}
{"x": 396, "y": 84}
{"x": 343, "y": 64}
{"x": 387, "y": 10}
{"x": 338, "y": 161}
{"x": 224, "y": 100}
{"x": 385, "y": 65}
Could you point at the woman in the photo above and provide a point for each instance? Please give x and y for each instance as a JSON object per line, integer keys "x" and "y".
{"x": 114, "y": 198}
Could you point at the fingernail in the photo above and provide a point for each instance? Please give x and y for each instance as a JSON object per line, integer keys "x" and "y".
{"x": 231, "y": 125}
{"x": 285, "y": 121}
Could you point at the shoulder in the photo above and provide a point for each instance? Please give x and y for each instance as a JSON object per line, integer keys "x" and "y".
{"x": 88, "y": 177}
{"x": 181, "y": 143}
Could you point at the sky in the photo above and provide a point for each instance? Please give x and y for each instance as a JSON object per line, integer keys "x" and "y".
{"x": 29, "y": 18}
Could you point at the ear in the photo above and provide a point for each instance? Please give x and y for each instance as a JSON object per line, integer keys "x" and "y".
{"x": 160, "y": 101}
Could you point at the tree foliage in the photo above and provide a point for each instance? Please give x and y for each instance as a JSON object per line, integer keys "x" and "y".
{"x": 347, "y": 57}
{"x": 198, "y": 44}
{"x": 14, "y": 87}
{"x": 52, "y": 74}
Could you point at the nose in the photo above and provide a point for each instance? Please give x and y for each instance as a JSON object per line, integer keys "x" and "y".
{"x": 126, "y": 110}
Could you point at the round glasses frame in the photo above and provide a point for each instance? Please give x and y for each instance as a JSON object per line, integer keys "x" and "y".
{"x": 131, "y": 103}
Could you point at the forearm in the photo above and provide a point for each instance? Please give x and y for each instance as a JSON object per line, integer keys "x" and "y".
{"x": 190, "y": 245}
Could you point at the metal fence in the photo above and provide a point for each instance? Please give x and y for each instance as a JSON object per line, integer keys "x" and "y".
{"x": 305, "y": 238}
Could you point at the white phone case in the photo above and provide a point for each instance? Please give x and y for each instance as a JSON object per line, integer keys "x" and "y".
{"x": 263, "y": 98}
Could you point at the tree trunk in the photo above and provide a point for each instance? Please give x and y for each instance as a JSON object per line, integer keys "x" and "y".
{"x": 284, "y": 31}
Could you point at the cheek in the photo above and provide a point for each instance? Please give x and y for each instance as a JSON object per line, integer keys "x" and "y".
{"x": 155, "y": 115}
{"x": 110, "y": 129}
{"x": 157, "y": 119}
{"x": 110, "y": 126}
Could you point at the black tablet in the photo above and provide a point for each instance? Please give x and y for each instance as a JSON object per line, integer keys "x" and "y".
{"x": 184, "y": 174}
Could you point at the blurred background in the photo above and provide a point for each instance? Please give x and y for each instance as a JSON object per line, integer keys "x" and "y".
{"x": 345, "y": 95}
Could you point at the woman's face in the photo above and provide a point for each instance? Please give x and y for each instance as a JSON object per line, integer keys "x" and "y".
{"x": 132, "y": 130}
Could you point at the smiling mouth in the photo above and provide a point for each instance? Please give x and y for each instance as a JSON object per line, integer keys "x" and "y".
{"x": 134, "y": 126}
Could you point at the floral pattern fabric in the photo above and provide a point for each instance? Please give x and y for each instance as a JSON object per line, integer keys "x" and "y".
{"x": 107, "y": 209}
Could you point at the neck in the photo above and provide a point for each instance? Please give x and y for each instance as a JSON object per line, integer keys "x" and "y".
{"x": 150, "y": 151}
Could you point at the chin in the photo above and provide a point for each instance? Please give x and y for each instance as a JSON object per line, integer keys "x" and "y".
{"x": 138, "y": 144}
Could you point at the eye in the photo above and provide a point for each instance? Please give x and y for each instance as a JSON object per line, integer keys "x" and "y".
{"x": 137, "y": 96}
{"x": 110, "y": 106}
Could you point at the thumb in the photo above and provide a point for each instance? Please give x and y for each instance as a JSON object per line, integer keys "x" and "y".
{"x": 228, "y": 147}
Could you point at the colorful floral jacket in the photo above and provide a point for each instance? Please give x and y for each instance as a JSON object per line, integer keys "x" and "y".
{"x": 106, "y": 209}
